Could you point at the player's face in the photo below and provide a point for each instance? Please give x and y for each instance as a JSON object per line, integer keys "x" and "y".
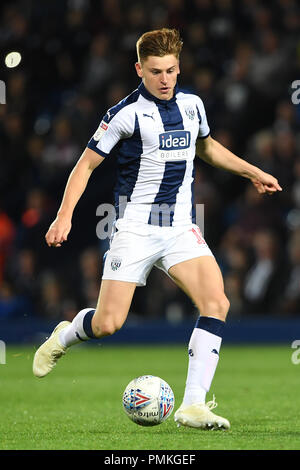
{"x": 159, "y": 75}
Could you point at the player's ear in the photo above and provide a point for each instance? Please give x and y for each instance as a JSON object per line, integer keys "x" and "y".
{"x": 138, "y": 69}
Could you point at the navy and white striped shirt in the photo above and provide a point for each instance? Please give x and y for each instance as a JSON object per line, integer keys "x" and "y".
{"x": 156, "y": 144}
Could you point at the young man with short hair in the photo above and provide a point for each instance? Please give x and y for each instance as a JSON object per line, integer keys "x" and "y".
{"x": 155, "y": 128}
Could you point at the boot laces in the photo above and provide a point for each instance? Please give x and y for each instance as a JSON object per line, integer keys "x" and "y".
{"x": 212, "y": 404}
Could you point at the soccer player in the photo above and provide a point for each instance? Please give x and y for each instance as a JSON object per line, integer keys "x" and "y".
{"x": 155, "y": 130}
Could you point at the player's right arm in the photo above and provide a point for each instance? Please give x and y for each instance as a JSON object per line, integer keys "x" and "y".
{"x": 115, "y": 125}
{"x": 76, "y": 184}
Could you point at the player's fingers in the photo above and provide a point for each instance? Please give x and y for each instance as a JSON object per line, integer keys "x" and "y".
{"x": 54, "y": 244}
{"x": 65, "y": 235}
{"x": 271, "y": 189}
{"x": 53, "y": 241}
{"x": 49, "y": 238}
{"x": 273, "y": 186}
{"x": 59, "y": 239}
{"x": 53, "y": 238}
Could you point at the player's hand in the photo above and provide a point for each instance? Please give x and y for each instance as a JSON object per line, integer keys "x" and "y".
{"x": 266, "y": 184}
{"x": 58, "y": 232}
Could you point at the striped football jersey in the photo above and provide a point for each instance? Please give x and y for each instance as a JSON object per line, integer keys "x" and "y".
{"x": 155, "y": 143}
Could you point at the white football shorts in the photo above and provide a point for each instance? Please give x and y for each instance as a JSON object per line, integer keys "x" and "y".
{"x": 135, "y": 248}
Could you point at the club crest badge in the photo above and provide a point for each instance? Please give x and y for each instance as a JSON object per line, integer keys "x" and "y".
{"x": 115, "y": 263}
{"x": 190, "y": 112}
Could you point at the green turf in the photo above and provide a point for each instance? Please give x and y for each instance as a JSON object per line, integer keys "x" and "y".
{"x": 78, "y": 406}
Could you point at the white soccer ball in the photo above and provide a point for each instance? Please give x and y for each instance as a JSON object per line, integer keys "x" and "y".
{"x": 148, "y": 400}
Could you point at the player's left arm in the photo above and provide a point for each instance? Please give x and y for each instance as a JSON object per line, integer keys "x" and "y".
{"x": 217, "y": 155}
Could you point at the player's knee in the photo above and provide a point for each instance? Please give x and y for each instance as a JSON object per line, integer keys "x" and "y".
{"x": 224, "y": 307}
{"x": 216, "y": 307}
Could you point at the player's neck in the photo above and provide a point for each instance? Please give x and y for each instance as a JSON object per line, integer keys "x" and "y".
{"x": 148, "y": 95}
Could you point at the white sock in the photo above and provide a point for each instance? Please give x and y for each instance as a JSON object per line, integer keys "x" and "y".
{"x": 77, "y": 331}
{"x": 204, "y": 348}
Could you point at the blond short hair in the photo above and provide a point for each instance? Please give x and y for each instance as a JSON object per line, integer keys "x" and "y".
{"x": 159, "y": 43}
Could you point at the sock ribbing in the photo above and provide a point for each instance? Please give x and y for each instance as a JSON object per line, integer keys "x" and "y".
{"x": 87, "y": 323}
{"x": 211, "y": 324}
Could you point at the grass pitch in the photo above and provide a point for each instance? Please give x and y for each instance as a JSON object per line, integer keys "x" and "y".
{"x": 78, "y": 405}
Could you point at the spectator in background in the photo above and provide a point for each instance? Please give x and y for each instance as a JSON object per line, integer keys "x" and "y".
{"x": 233, "y": 284}
{"x": 265, "y": 278}
{"x": 252, "y": 213}
{"x": 23, "y": 270}
{"x": 32, "y": 217}
{"x": 269, "y": 66}
{"x": 285, "y": 118}
{"x": 54, "y": 303}
{"x": 35, "y": 214}
{"x": 286, "y": 153}
{"x": 7, "y": 238}
{"x": 99, "y": 67}
{"x": 61, "y": 152}
{"x": 261, "y": 151}
{"x": 17, "y": 91}
{"x": 80, "y": 111}
{"x": 295, "y": 190}
{"x": 289, "y": 301}
{"x": 13, "y": 161}
{"x": 11, "y": 303}
{"x": 89, "y": 276}
{"x": 35, "y": 170}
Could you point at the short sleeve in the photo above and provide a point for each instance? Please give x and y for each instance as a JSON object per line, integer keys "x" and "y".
{"x": 112, "y": 128}
{"x": 204, "y": 129}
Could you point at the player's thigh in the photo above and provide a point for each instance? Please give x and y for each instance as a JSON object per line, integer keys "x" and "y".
{"x": 201, "y": 279}
{"x": 113, "y": 305}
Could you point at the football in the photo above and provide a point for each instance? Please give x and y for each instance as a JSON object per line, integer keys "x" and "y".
{"x": 148, "y": 400}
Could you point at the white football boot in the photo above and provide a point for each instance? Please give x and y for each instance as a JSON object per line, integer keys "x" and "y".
{"x": 200, "y": 416}
{"x": 49, "y": 352}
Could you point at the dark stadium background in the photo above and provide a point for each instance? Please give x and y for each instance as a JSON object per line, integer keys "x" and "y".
{"x": 78, "y": 56}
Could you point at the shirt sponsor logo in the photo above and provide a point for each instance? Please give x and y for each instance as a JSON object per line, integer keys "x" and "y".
{"x": 174, "y": 140}
{"x": 174, "y": 145}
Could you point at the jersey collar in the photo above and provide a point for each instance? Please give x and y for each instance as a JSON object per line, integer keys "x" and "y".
{"x": 146, "y": 94}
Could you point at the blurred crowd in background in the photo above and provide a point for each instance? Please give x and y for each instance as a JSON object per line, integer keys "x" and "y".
{"x": 241, "y": 57}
